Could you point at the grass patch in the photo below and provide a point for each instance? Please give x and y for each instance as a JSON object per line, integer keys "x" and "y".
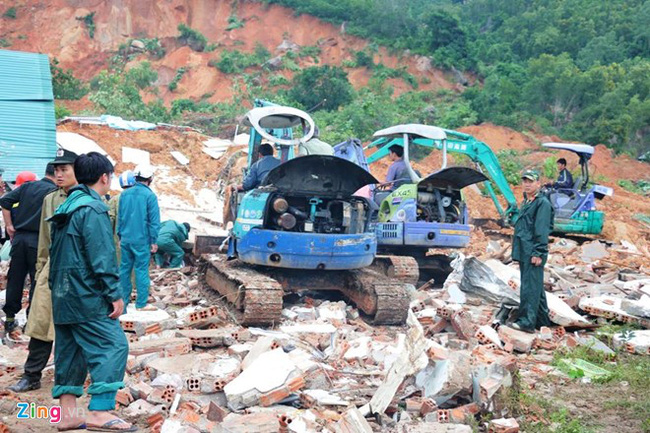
{"x": 640, "y": 187}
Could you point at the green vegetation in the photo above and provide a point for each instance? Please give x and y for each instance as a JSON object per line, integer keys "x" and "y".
{"x": 118, "y": 93}
{"x": 364, "y": 59}
{"x": 312, "y": 51}
{"x": 193, "y": 38}
{"x": 549, "y": 169}
{"x": 576, "y": 68}
{"x": 179, "y": 74}
{"x": 64, "y": 84}
{"x": 60, "y": 111}
{"x": 89, "y": 22}
{"x": 234, "y": 62}
{"x": 511, "y": 165}
{"x": 326, "y": 87}
{"x": 641, "y": 187}
{"x": 153, "y": 47}
{"x": 10, "y": 13}
{"x": 4, "y": 43}
{"x": 234, "y": 22}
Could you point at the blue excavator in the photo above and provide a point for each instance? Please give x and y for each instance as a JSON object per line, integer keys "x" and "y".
{"x": 303, "y": 229}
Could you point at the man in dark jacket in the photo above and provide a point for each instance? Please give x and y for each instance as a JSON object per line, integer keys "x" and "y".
{"x": 24, "y": 203}
{"x": 530, "y": 249}
{"x": 564, "y": 179}
{"x": 87, "y": 301}
{"x": 170, "y": 242}
{"x": 260, "y": 169}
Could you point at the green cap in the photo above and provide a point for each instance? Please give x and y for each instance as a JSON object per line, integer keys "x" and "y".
{"x": 530, "y": 174}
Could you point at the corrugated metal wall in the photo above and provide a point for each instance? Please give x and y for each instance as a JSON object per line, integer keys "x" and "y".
{"x": 27, "y": 123}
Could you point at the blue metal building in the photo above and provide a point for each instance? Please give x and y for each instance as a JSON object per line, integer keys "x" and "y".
{"x": 27, "y": 121}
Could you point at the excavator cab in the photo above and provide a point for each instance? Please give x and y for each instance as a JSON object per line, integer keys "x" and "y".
{"x": 422, "y": 213}
{"x": 575, "y": 208}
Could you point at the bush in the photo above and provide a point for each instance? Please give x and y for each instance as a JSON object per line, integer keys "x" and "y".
{"x": 363, "y": 59}
{"x": 193, "y": 38}
{"x": 4, "y": 43}
{"x": 316, "y": 84}
{"x": 10, "y": 13}
{"x": 549, "y": 169}
{"x": 312, "y": 51}
{"x": 510, "y": 165}
{"x": 234, "y": 23}
{"x": 181, "y": 105}
{"x": 64, "y": 84}
{"x": 233, "y": 62}
{"x": 89, "y": 22}
{"x": 117, "y": 94}
{"x": 60, "y": 111}
{"x": 142, "y": 75}
{"x": 153, "y": 47}
{"x": 179, "y": 74}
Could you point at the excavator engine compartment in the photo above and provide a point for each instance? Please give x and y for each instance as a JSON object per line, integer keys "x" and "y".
{"x": 440, "y": 206}
{"x": 316, "y": 214}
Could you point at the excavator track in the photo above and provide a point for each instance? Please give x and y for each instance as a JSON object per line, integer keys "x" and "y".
{"x": 385, "y": 301}
{"x": 401, "y": 268}
{"x": 256, "y": 292}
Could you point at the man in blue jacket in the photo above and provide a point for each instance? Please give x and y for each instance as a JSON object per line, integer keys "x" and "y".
{"x": 86, "y": 301}
{"x": 137, "y": 228}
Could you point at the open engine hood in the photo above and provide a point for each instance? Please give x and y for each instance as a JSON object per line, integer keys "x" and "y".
{"x": 456, "y": 178}
{"x": 319, "y": 174}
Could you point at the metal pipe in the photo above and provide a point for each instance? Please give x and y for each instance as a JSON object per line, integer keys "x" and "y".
{"x": 412, "y": 174}
{"x": 444, "y": 154}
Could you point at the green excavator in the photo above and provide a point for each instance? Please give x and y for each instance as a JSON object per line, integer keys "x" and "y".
{"x": 575, "y": 209}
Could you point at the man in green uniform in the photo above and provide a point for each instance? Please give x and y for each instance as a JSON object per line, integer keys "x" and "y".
{"x": 87, "y": 301}
{"x": 530, "y": 249}
{"x": 170, "y": 243}
{"x": 39, "y": 322}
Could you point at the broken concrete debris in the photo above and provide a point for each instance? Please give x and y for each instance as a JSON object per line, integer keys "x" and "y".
{"x": 192, "y": 368}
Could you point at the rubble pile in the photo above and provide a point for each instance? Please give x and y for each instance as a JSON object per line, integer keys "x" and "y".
{"x": 193, "y": 368}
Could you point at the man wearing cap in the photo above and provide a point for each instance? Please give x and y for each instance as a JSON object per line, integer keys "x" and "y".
{"x": 170, "y": 243}
{"x": 137, "y": 227}
{"x": 39, "y": 322}
{"x": 530, "y": 249}
{"x": 22, "y": 223}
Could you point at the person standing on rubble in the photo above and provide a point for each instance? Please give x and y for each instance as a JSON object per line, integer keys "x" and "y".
{"x": 530, "y": 249}
{"x": 127, "y": 180}
{"x": 87, "y": 301}
{"x": 21, "y": 210}
{"x": 138, "y": 227}
{"x": 170, "y": 243}
{"x": 39, "y": 322}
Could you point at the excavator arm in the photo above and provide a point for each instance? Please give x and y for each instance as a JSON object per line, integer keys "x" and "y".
{"x": 479, "y": 152}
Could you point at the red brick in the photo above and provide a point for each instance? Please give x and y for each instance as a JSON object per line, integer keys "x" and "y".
{"x": 216, "y": 412}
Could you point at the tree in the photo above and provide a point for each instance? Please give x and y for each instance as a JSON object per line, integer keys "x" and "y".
{"x": 316, "y": 84}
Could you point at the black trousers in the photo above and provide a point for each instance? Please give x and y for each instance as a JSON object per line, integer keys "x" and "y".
{"x": 24, "y": 250}
{"x": 39, "y": 353}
